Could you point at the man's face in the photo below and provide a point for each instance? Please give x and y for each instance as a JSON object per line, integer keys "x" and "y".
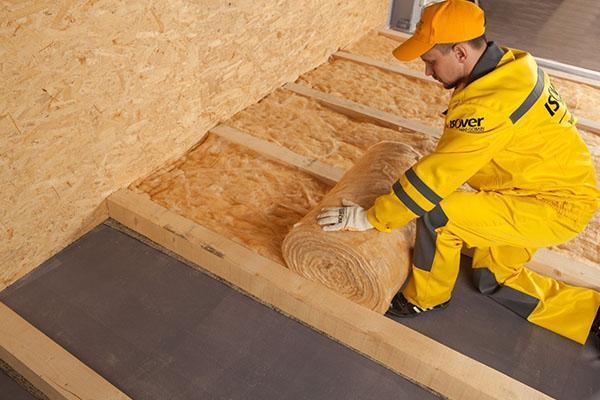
{"x": 443, "y": 67}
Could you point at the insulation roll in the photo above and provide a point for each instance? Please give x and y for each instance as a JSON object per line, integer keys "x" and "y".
{"x": 365, "y": 267}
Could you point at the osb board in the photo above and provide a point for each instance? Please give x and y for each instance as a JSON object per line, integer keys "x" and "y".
{"x": 407, "y": 97}
{"x": 98, "y": 93}
{"x": 304, "y": 126}
{"x": 583, "y": 100}
{"x": 237, "y": 193}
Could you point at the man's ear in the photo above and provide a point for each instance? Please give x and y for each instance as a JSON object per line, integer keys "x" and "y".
{"x": 460, "y": 52}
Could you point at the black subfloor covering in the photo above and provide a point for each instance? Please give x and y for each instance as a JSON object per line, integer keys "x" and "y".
{"x": 478, "y": 327}
{"x": 11, "y": 390}
{"x": 159, "y": 329}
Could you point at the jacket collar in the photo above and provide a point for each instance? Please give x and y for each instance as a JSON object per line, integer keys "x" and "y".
{"x": 487, "y": 62}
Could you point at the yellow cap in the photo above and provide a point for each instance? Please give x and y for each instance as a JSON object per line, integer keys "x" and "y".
{"x": 450, "y": 21}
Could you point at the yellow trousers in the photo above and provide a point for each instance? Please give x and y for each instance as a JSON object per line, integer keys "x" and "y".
{"x": 505, "y": 231}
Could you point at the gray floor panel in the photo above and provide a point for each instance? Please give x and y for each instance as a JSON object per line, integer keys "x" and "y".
{"x": 158, "y": 329}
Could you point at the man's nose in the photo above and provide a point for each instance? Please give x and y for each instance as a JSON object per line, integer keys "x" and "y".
{"x": 428, "y": 70}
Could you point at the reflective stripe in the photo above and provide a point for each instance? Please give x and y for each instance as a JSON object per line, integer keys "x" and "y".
{"x": 515, "y": 300}
{"x": 422, "y": 187}
{"x": 426, "y": 237}
{"x": 531, "y": 98}
{"x": 404, "y": 198}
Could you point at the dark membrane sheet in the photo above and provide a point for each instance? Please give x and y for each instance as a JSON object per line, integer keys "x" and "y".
{"x": 159, "y": 329}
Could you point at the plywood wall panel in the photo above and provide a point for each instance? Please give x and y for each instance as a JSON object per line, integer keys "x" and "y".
{"x": 96, "y": 94}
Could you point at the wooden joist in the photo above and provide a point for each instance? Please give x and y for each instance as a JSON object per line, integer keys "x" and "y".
{"x": 46, "y": 365}
{"x": 401, "y": 349}
{"x": 395, "y": 68}
{"x": 567, "y": 72}
{"x": 392, "y": 34}
{"x": 570, "y": 72}
{"x": 361, "y": 112}
{"x": 565, "y": 269}
{"x": 317, "y": 168}
{"x": 545, "y": 262}
{"x": 589, "y": 125}
{"x": 583, "y": 123}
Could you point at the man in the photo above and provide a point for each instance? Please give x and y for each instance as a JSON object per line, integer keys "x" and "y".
{"x": 508, "y": 135}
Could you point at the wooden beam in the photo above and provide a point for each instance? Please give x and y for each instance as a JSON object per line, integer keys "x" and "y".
{"x": 317, "y": 168}
{"x": 362, "y": 112}
{"x": 395, "y": 68}
{"x": 392, "y": 34}
{"x": 568, "y": 72}
{"x": 582, "y": 123}
{"x": 46, "y": 365}
{"x": 589, "y": 125}
{"x": 399, "y": 348}
{"x": 565, "y": 269}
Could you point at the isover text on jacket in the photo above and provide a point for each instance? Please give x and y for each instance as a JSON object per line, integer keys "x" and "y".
{"x": 467, "y": 124}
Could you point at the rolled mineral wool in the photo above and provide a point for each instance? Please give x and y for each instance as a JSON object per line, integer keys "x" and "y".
{"x": 365, "y": 267}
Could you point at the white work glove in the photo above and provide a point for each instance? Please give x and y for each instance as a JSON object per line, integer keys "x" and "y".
{"x": 350, "y": 217}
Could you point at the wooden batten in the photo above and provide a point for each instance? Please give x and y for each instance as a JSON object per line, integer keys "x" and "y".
{"x": 361, "y": 112}
{"x": 46, "y": 365}
{"x": 588, "y": 124}
{"x": 325, "y": 172}
{"x": 392, "y": 34}
{"x": 565, "y": 269}
{"x": 424, "y": 361}
{"x": 395, "y": 68}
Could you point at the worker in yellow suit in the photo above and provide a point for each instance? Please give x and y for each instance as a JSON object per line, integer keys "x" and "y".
{"x": 509, "y": 135}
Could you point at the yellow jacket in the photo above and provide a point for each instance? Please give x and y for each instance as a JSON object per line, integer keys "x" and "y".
{"x": 506, "y": 131}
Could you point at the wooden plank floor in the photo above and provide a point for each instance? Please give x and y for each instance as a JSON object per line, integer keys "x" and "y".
{"x": 567, "y": 31}
{"x": 158, "y": 329}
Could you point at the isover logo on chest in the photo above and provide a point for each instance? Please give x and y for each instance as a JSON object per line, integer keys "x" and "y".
{"x": 467, "y": 124}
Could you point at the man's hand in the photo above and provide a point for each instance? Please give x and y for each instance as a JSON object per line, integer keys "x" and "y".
{"x": 350, "y": 217}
